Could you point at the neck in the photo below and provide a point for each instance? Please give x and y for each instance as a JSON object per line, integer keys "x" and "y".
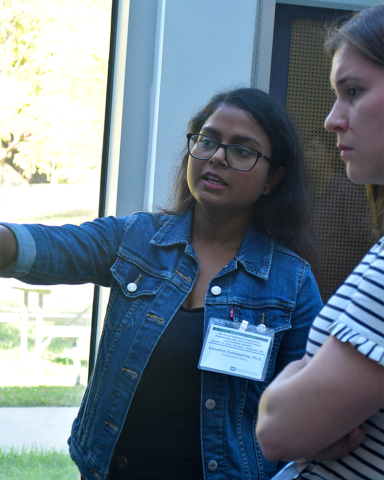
{"x": 226, "y": 228}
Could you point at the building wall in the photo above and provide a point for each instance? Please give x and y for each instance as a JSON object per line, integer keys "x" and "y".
{"x": 178, "y": 54}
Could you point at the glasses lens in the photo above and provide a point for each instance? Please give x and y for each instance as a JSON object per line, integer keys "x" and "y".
{"x": 202, "y": 147}
{"x": 242, "y": 157}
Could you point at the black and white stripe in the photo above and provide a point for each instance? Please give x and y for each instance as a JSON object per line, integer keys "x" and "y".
{"x": 355, "y": 314}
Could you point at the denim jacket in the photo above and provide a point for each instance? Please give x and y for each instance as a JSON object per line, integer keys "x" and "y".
{"x": 155, "y": 254}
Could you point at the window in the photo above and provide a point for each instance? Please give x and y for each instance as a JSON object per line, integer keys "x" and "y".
{"x": 54, "y": 65}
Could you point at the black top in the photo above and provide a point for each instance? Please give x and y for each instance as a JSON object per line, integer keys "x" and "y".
{"x": 161, "y": 435}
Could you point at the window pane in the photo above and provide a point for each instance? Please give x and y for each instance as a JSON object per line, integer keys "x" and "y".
{"x": 53, "y": 77}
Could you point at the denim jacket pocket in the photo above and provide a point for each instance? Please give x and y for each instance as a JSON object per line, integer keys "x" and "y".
{"x": 278, "y": 318}
{"x": 133, "y": 290}
{"x": 273, "y": 316}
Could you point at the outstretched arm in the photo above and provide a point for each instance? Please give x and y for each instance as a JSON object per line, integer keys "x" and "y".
{"x": 70, "y": 254}
{"x": 311, "y": 406}
{"x": 8, "y": 247}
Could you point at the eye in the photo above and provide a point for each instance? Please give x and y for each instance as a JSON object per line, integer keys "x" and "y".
{"x": 353, "y": 91}
{"x": 242, "y": 151}
{"x": 206, "y": 142}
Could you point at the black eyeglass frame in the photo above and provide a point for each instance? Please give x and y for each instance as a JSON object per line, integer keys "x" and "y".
{"x": 226, "y": 146}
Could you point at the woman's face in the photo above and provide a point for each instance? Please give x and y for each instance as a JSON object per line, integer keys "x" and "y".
{"x": 213, "y": 183}
{"x": 358, "y": 115}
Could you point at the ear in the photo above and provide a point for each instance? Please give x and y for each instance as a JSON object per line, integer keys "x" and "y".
{"x": 274, "y": 177}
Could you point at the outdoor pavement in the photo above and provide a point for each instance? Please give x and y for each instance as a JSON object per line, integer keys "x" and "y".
{"x": 47, "y": 427}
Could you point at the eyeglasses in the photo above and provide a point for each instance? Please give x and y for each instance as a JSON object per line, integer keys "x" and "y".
{"x": 239, "y": 157}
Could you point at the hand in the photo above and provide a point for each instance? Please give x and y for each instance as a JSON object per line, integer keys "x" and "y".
{"x": 341, "y": 448}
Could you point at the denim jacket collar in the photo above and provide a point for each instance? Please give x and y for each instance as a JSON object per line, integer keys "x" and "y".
{"x": 255, "y": 252}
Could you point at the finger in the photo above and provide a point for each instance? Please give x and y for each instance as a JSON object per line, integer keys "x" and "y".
{"x": 355, "y": 438}
{"x": 342, "y": 447}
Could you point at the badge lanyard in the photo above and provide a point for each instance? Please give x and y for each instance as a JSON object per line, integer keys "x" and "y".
{"x": 237, "y": 348}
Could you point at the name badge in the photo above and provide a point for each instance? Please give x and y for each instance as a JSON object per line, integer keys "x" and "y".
{"x": 237, "y": 349}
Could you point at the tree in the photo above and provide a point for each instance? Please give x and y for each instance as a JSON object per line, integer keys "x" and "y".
{"x": 53, "y": 61}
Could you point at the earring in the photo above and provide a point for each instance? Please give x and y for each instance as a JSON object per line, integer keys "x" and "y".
{"x": 265, "y": 189}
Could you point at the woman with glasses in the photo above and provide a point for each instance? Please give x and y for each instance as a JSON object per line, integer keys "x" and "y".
{"x": 229, "y": 247}
{"x": 339, "y": 385}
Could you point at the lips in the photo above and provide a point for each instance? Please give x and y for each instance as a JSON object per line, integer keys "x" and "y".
{"x": 214, "y": 179}
{"x": 343, "y": 148}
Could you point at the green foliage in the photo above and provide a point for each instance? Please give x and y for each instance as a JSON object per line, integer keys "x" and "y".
{"x": 10, "y": 338}
{"x": 53, "y": 68}
{"x": 36, "y": 464}
{"x": 41, "y": 396}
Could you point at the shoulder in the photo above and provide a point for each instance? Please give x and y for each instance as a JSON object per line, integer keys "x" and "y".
{"x": 288, "y": 261}
{"x": 376, "y": 254}
{"x": 289, "y": 264}
{"x": 141, "y": 218}
{"x": 354, "y": 313}
{"x": 288, "y": 255}
{"x": 260, "y": 248}
{"x": 146, "y": 227}
{"x": 371, "y": 268}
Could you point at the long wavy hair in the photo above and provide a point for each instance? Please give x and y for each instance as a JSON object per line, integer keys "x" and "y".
{"x": 284, "y": 213}
{"x": 364, "y": 32}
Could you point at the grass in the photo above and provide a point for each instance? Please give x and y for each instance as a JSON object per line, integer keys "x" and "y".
{"x": 41, "y": 396}
{"x": 36, "y": 464}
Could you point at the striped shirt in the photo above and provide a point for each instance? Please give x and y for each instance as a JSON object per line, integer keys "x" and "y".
{"x": 355, "y": 314}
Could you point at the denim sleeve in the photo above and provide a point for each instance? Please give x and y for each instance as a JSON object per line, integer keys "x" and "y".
{"x": 68, "y": 254}
{"x": 308, "y": 305}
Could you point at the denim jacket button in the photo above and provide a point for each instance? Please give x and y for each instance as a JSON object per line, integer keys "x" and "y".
{"x": 122, "y": 462}
{"x": 132, "y": 287}
{"x": 212, "y": 465}
{"x": 210, "y": 404}
{"x": 216, "y": 290}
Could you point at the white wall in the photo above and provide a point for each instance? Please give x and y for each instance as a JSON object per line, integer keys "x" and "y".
{"x": 208, "y": 46}
{"x": 186, "y": 52}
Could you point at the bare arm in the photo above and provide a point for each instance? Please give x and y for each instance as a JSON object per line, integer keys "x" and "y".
{"x": 8, "y": 247}
{"x": 310, "y": 407}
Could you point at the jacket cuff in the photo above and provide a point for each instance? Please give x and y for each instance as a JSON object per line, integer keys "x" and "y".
{"x": 26, "y": 252}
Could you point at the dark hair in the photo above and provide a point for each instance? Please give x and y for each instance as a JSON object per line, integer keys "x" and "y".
{"x": 364, "y": 32}
{"x": 284, "y": 213}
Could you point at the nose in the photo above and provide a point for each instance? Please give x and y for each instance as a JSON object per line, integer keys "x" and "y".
{"x": 219, "y": 157}
{"x": 337, "y": 120}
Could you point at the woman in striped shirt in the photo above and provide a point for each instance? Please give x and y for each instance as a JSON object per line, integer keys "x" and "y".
{"x": 339, "y": 386}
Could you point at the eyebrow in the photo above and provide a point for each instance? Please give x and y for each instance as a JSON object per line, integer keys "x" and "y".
{"x": 237, "y": 138}
{"x": 346, "y": 79}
